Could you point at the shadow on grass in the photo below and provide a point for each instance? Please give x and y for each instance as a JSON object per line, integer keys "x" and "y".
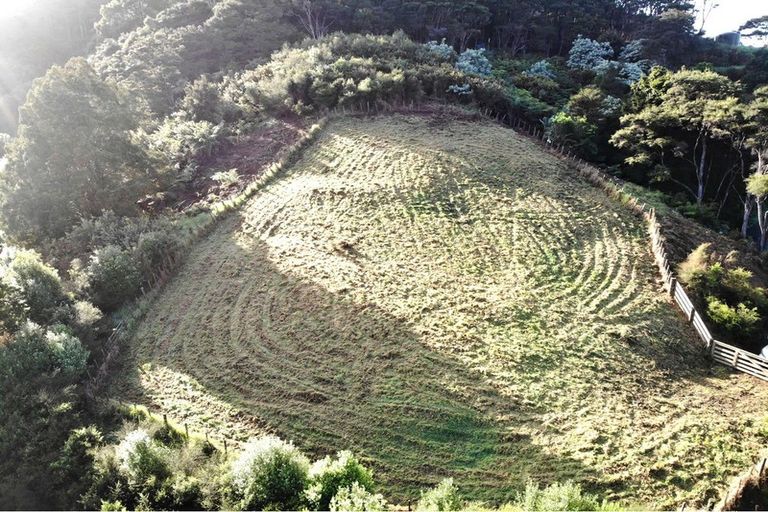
{"x": 331, "y": 373}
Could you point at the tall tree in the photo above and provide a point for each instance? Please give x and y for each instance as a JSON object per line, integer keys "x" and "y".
{"x": 757, "y": 183}
{"x": 756, "y": 28}
{"x": 677, "y": 128}
{"x": 73, "y": 156}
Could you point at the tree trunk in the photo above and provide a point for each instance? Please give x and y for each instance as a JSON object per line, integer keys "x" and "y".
{"x": 701, "y": 172}
{"x": 748, "y": 205}
{"x": 762, "y": 220}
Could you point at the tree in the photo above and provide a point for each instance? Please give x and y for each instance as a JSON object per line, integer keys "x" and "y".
{"x": 73, "y": 156}
{"x": 679, "y": 125}
{"x": 121, "y": 16}
{"x": 39, "y": 374}
{"x": 757, "y": 183}
{"x": 314, "y": 16}
{"x": 756, "y": 28}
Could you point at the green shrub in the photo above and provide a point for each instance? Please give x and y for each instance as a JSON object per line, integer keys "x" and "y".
{"x": 73, "y": 470}
{"x": 355, "y": 498}
{"x": 41, "y": 288}
{"x": 328, "y": 475}
{"x": 733, "y": 304}
{"x": 445, "y": 496}
{"x": 738, "y": 321}
{"x": 181, "y": 142}
{"x": 142, "y": 459}
{"x": 271, "y": 474}
{"x": 155, "y": 248}
{"x": 565, "y": 496}
{"x": 575, "y": 131}
{"x": 112, "y": 506}
{"x": 5, "y": 139}
{"x": 71, "y": 355}
{"x": 113, "y": 277}
{"x": 474, "y": 62}
{"x": 13, "y": 308}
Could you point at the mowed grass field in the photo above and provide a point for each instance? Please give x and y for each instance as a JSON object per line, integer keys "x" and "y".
{"x": 446, "y": 299}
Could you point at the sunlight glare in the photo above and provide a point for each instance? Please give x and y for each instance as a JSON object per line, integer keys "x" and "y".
{"x": 10, "y": 8}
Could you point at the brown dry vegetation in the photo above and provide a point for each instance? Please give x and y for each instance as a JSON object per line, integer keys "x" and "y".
{"x": 446, "y": 300}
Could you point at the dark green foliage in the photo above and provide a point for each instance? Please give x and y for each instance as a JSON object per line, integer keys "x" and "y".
{"x": 13, "y": 309}
{"x": 733, "y": 304}
{"x": 39, "y": 373}
{"x": 328, "y": 475}
{"x": 271, "y": 475}
{"x": 74, "y": 155}
{"x": 114, "y": 277}
{"x": 445, "y": 496}
{"x": 40, "y": 288}
{"x": 74, "y": 469}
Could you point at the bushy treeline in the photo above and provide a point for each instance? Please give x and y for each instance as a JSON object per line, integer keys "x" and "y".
{"x": 731, "y": 302}
{"x": 144, "y": 464}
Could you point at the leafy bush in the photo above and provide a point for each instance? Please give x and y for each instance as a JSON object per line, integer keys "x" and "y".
{"x": 445, "y": 496}
{"x": 442, "y": 50}
{"x": 183, "y": 142}
{"x": 113, "y": 277}
{"x": 141, "y": 458}
{"x": 70, "y": 354}
{"x": 575, "y": 131}
{"x": 474, "y": 62}
{"x": 355, "y": 498}
{"x": 542, "y": 69}
{"x": 13, "y": 309}
{"x": 41, "y": 288}
{"x": 38, "y": 401}
{"x": 740, "y": 320}
{"x": 271, "y": 474}
{"x": 588, "y": 55}
{"x": 155, "y": 247}
{"x": 327, "y": 476}
{"x": 5, "y": 139}
{"x": 565, "y": 496}
{"x": 732, "y": 303}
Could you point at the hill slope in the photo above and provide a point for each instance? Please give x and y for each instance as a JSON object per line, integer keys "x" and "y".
{"x": 446, "y": 299}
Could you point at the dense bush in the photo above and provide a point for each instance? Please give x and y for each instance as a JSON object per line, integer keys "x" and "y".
{"x": 355, "y": 498}
{"x": 74, "y": 155}
{"x": 114, "y": 277}
{"x": 565, "y": 496}
{"x": 474, "y": 62}
{"x": 445, "y": 496}
{"x": 327, "y": 476}
{"x": 271, "y": 474}
{"x": 13, "y": 309}
{"x": 181, "y": 143}
{"x": 40, "y": 288}
{"x": 40, "y": 370}
{"x": 574, "y": 131}
{"x": 155, "y": 248}
{"x": 734, "y": 305}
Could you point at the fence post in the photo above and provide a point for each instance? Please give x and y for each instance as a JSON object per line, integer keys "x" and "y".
{"x": 693, "y": 315}
{"x": 735, "y": 361}
{"x": 672, "y": 286}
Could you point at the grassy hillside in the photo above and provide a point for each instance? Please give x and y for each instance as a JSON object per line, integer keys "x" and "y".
{"x": 444, "y": 298}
